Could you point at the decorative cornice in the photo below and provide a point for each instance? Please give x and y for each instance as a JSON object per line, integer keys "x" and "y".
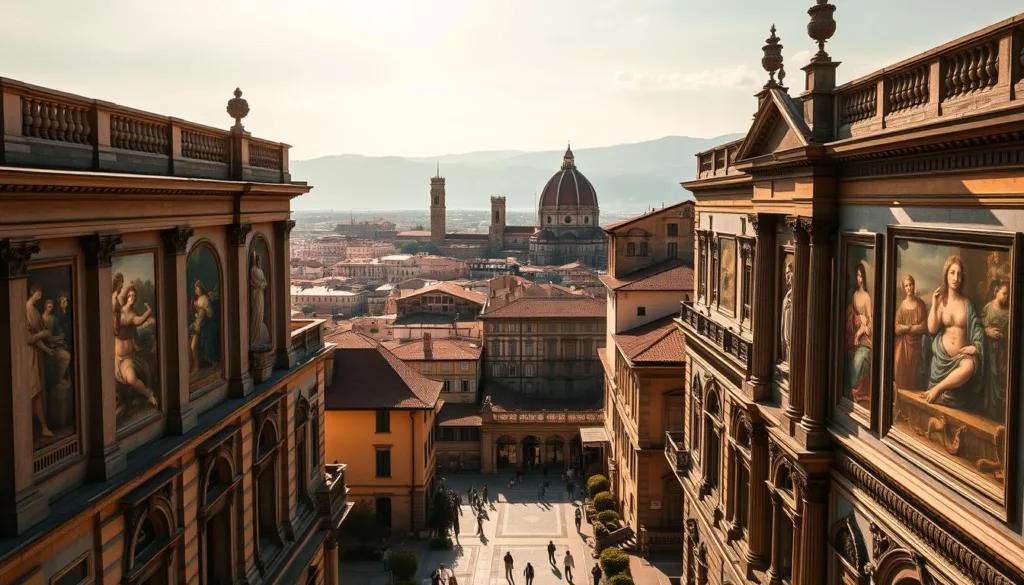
{"x": 176, "y": 239}
{"x": 238, "y": 233}
{"x": 99, "y": 248}
{"x": 800, "y": 227}
{"x": 820, "y": 230}
{"x": 14, "y": 257}
{"x": 944, "y": 537}
{"x": 284, "y": 228}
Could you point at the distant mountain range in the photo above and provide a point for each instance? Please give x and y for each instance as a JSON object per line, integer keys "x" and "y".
{"x": 626, "y": 176}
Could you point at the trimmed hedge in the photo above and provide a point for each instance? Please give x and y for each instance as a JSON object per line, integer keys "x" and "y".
{"x": 620, "y": 579}
{"x": 604, "y": 501}
{"x": 403, "y": 563}
{"x": 608, "y": 516}
{"x": 614, "y": 562}
{"x": 597, "y": 484}
{"x": 612, "y": 526}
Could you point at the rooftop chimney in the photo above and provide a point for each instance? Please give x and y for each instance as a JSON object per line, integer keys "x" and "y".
{"x": 428, "y": 347}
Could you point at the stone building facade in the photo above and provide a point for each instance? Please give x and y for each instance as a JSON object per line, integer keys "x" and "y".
{"x": 162, "y": 412}
{"x": 852, "y": 346}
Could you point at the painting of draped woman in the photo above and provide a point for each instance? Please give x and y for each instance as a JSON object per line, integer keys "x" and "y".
{"x": 204, "y": 317}
{"x": 50, "y": 336}
{"x": 133, "y": 302}
{"x": 951, "y": 364}
{"x": 858, "y": 320}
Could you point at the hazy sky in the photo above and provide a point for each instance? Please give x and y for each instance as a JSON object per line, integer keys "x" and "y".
{"x": 423, "y": 77}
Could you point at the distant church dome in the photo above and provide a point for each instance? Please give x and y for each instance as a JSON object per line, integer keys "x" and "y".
{"x": 568, "y": 189}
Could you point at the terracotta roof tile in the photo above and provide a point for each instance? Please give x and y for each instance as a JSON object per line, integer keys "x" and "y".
{"x": 657, "y": 342}
{"x": 451, "y": 289}
{"x": 620, "y": 224}
{"x": 442, "y": 349}
{"x": 567, "y": 306}
{"x": 674, "y": 275}
{"x": 368, "y": 376}
{"x": 459, "y": 415}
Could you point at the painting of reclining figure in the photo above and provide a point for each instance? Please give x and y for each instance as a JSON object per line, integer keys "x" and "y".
{"x": 951, "y": 331}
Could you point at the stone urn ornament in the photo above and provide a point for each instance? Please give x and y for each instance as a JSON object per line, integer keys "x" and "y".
{"x": 821, "y": 27}
{"x": 238, "y": 108}
{"x": 772, "y": 60}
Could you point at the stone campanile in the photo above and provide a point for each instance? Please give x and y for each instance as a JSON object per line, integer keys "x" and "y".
{"x": 437, "y": 227}
{"x": 497, "y": 231}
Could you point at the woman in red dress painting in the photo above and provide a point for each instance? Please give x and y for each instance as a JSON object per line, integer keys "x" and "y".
{"x": 910, "y": 327}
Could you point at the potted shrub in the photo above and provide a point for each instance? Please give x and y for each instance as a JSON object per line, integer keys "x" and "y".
{"x": 597, "y": 484}
{"x": 614, "y": 561}
{"x": 604, "y": 501}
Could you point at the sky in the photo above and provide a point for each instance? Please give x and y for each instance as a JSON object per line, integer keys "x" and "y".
{"x": 431, "y": 77}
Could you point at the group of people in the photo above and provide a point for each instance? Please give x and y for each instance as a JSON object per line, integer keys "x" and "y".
{"x": 568, "y": 564}
{"x": 478, "y": 501}
{"x": 49, "y": 336}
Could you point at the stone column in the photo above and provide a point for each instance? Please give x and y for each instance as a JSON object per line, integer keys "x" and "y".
{"x": 181, "y": 417}
{"x": 331, "y": 558}
{"x": 778, "y": 517}
{"x": 810, "y": 568}
{"x": 702, "y": 269}
{"x": 281, "y": 289}
{"x": 763, "y": 309}
{"x": 816, "y": 382}
{"x": 21, "y": 503}
{"x": 798, "y": 343}
{"x": 106, "y": 458}
{"x": 237, "y": 281}
{"x": 758, "y": 517}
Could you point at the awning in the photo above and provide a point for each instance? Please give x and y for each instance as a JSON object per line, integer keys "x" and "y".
{"x": 595, "y": 435}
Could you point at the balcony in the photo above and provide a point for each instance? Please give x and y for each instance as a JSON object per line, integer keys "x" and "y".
{"x": 50, "y": 129}
{"x": 332, "y": 497}
{"x": 716, "y": 335}
{"x": 543, "y": 416}
{"x": 676, "y": 452}
{"x": 718, "y": 162}
{"x": 307, "y": 336}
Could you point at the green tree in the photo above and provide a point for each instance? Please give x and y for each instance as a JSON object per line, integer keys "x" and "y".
{"x": 444, "y": 509}
{"x": 361, "y": 524}
{"x": 403, "y": 564}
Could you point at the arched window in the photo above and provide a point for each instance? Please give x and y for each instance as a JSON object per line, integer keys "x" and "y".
{"x": 712, "y": 439}
{"x": 739, "y": 477}
{"x": 266, "y": 472}
{"x": 497, "y": 216}
{"x": 696, "y": 388}
{"x": 151, "y": 539}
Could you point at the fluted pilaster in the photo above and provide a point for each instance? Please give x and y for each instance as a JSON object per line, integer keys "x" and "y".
{"x": 798, "y": 344}
{"x": 778, "y": 517}
{"x": 759, "y": 517}
{"x": 763, "y": 313}
{"x": 816, "y": 383}
{"x": 813, "y": 528}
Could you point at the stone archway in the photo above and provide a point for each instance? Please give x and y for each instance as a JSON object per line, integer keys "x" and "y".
{"x": 533, "y": 451}
{"x": 506, "y": 453}
{"x": 554, "y": 451}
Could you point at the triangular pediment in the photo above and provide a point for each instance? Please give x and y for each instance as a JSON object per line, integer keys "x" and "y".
{"x": 778, "y": 127}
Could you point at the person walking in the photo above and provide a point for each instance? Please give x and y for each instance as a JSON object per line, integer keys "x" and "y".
{"x": 509, "y": 565}
{"x": 455, "y": 528}
{"x": 579, "y": 519}
{"x": 385, "y": 555}
{"x": 569, "y": 565}
{"x": 551, "y": 552}
{"x": 442, "y": 574}
{"x": 528, "y": 573}
{"x": 480, "y": 524}
{"x": 596, "y": 572}
{"x": 484, "y": 493}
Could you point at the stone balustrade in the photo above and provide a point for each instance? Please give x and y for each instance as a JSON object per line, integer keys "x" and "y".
{"x": 719, "y": 336}
{"x": 307, "y": 336}
{"x": 676, "y": 453}
{"x": 333, "y": 494}
{"x": 718, "y": 161}
{"x": 544, "y": 416}
{"x": 46, "y": 128}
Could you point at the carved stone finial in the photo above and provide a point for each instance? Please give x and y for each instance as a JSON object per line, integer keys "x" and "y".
{"x": 177, "y": 238}
{"x": 99, "y": 248}
{"x": 14, "y": 257}
{"x": 238, "y": 108}
{"x": 772, "y": 60}
{"x": 821, "y": 27}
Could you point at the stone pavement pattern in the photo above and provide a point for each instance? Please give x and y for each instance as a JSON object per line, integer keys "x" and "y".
{"x": 517, "y": 521}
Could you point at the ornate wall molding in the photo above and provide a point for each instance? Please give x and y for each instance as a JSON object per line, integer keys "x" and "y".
{"x": 177, "y": 238}
{"x": 959, "y": 155}
{"x": 847, "y": 542}
{"x": 284, "y": 228}
{"x": 800, "y": 227}
{"x": 238, "y": 233}
{"x": 99, "y": 248}
{"x": 14, "y": 257}
{"x": 946, "y": 539}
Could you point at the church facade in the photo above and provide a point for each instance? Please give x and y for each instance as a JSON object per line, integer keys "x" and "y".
{"x": 567, "y": 228}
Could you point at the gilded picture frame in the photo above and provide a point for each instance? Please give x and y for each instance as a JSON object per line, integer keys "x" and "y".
{"x": 953, "y": 433}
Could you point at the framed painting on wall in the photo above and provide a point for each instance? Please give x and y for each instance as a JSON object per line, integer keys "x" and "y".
{"x": 952, "y": 328}
{"x": 203, "y": 279}
{"x": 727, "y": 274}
{"x": 858, "y": 312}
{"x": 136, "y": 357}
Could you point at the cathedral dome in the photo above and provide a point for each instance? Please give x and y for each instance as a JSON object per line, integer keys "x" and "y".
{"x": 568, "y": 189}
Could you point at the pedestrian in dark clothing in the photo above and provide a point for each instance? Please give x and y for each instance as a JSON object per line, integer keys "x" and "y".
{"x": 455, "y": 527}
{"x": 485, "y": 494}
{"x": 528, "y": 573}
{"x": 596, "y": 572}
{"x": 551, "y": 551}
{"x": 480, "y": 524}
{"x": 508, "y": 568}
{"x": 579, "y": 519}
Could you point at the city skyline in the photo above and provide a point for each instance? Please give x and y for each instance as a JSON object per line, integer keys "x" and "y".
{"x": 410, "y": 79}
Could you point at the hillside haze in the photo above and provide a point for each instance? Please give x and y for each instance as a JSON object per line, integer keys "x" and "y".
{"x": 626, "y": 176}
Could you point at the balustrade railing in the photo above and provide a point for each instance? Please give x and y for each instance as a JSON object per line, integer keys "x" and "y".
{"x": 543, "y": 416}
{"x": 46, "y": 128}
{"x": 717, "y": 161}
{"x": 859, "y": 104}
{"x": 676, "y": 453}
{"x": 908, "y": 90}
{"x": 307, "y": 336}
{"x": 971, "y": 70}
{"x": 727, "y": 341}
{"x": 331, "y": 497}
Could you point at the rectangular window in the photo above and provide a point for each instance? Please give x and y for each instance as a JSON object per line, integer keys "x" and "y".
{"x": 464, "y": 385}
{"x": 512, "y": 349}
{"x": 496, "y": 370}
{"x": 673, "y": 250}
{"x": 643, "y": 248}
{"x": 495, "y": 349}
{"x": 383, "y": 463}
{"x": 641, "y": 311}
{"x": 446, "y": 367}
{"x": 673, "y": 229}
{"x": 512, "y": 371}
{"x": 528, "y": 349}
{"x": 630, "y": 249}
{"x": 383, "y": 421}
{"x": 528, "y": 327}
{"x": 529, "y": 370}
{"x": 77, "y": 574}
{"x": 464, "y": 366}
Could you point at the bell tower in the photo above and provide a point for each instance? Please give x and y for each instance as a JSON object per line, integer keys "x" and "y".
{"x": 437, "y": 212}
{"x": 497, "y": 231}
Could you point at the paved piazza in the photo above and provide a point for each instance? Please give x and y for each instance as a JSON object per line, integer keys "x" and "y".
{"x": 518, "y": 522}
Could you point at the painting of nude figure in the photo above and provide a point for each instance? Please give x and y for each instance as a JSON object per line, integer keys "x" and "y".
{"x": 951, "y": 326}
{"x": 133, "y": 301}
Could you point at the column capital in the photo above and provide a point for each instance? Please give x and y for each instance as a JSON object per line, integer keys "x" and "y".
{"x": 238, "y": 233}
{"x": 176, "y": 239}
{"x": 800, "y": 226}
{"x": 820, "y": 229}
{"x": 14, "y": 257}
{"x": 284, "y": 227}
{"x": 99, "y": 248}
{"x": 814, "y": 489}
{"x": 763, "y": 223}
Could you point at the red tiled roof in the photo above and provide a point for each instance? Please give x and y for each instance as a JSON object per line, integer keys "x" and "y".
{"x": 459, "y": 415}
{"x": 368, "y": 376}
{"x": 443, "y": 349}
{"x": 567, "y": 306}
{"x": 657, "y": 342}
{"x": 620, "y": 224}
{"x": 670, "y": 275}
{"x": 451, "y": 289}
